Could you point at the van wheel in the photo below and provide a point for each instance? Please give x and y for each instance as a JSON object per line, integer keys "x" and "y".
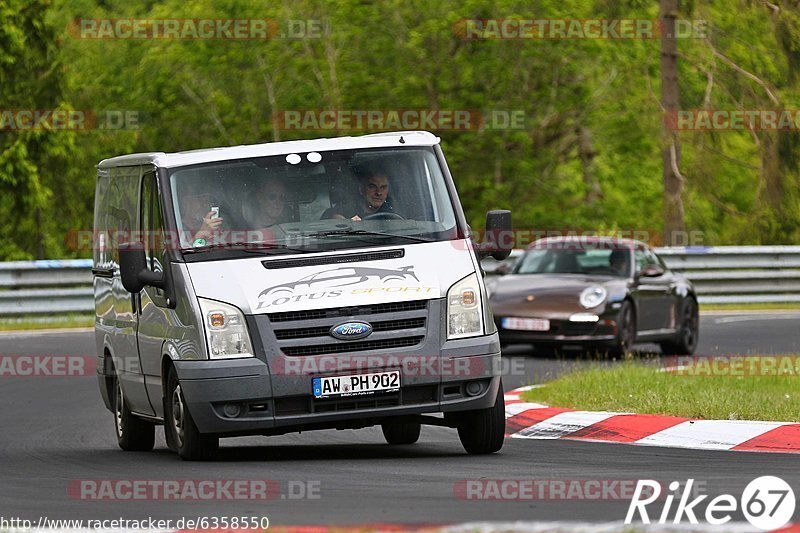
{"x": 401, "y": 432}
{"x": 483, "y": 431}
{"x": 133, "y": 433}
{"x": 181, "y": 431}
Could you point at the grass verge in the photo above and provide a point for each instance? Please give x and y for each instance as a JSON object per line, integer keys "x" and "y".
{"x": 633, "y": 387}
{"x": 46, "y": 322}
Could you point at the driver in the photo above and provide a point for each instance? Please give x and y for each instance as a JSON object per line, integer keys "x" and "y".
{"x": 373, "y": 189}
{"x": 618, "y": 261}
{"x": 199, "y": 222}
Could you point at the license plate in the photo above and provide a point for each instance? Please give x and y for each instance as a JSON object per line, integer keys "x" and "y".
{"x": 356, "y": 384}
{"x": 527, "y": 324}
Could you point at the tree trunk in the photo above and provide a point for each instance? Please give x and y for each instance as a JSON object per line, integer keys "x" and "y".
{"x": 587, "y": 154}
{"x": 498, "y": 171}
{"x": 671, "y": 151}
{"x": 39, "y": 234}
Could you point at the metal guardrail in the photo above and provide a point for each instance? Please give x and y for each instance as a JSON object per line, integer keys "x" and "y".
{"x": 46, "y": 287}
{"x": 729, "y": 274}
{"x": 739, "y": 274}
{"x": 723, "y": 274}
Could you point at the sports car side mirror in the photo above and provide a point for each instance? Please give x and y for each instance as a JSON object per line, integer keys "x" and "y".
{"x": 502, "y": 269}
{"x": 651, "y": 271}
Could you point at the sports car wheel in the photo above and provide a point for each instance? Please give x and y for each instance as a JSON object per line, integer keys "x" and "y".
{"x": 685, "y": 342}
{"x": 626, "y": 330}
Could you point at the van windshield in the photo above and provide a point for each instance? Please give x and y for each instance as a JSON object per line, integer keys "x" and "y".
{"x": 309, "y": 202}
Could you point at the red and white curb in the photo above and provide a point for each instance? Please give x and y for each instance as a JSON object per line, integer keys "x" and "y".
{"x": 525, "y": 420}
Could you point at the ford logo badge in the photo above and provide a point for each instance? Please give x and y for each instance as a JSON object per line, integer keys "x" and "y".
{"x": 350, "y": 331}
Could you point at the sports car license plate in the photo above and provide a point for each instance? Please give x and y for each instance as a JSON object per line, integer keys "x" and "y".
{"x": 526, "y": 324}
{"x": 356, "y": 385}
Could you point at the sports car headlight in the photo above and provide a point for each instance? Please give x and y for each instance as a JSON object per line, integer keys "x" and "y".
{"x": 226, "y": 330}
{"x": 464, "y": 309}
{"x": 593, "y": 296}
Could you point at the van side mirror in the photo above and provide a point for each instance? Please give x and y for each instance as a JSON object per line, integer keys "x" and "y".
{"x": 498, "y": 241}
{"x": 133, "y": 269}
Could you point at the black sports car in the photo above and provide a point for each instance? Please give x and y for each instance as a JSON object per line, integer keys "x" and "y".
{"x": 596, "y": 293}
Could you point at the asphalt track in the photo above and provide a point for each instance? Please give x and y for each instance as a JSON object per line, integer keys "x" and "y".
{"x": 55, "y": 431}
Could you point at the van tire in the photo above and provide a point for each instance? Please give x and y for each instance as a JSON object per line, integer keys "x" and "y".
{"x": 483, "y": 431}
{"x": 189, "y": 443}
{"x": 133, "y": 433}
{"x": 401, "y": 432}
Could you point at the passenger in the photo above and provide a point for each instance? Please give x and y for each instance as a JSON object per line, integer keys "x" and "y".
{"x": 270, "y": 204}
{"x": 373, "y": 191}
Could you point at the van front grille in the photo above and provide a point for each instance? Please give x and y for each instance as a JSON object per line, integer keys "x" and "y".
{"x": 338, "y": 312}
{"x": 387, "y": 325}
{"x": 394, "y": 325}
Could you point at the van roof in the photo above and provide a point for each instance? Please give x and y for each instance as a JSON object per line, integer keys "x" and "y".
{"x": 192, "y": 157}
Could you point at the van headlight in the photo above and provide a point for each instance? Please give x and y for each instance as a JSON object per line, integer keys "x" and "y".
{"x": 593, "y": 296}
{"x": 226, "y": 330}
{"x": 465, "y": 309}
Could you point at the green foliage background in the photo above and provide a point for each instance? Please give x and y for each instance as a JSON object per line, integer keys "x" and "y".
{"x": 741, "y": 187}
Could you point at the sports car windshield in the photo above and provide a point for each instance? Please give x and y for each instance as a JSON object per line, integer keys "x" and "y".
{"x": 307, "y": 202}
{"x": 604, "y": 262}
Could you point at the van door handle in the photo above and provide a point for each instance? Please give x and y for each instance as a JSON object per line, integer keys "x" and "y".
{"x": 103, "y": 272}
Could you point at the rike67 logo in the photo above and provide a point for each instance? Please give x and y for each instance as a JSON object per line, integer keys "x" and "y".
{"x": 768, "y": 503}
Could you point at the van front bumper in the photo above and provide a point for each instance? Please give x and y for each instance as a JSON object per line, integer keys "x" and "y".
{"x": 235, "y": 397}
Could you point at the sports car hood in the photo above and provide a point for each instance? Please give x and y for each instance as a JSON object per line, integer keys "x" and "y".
{"x": 551, "y": 291}
{"x": 418, "y": 272}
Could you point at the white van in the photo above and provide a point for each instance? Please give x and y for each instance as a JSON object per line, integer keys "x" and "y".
{"x": 290, "y": 286}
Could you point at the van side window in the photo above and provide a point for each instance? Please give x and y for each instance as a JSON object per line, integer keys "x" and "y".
{"x": 119, "y": 217}
{"x": 101, "y": 248}
{"x": 152, "y": 224}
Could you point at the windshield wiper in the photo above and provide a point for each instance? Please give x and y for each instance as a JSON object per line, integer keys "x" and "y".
{"x": 346, "y": 232}
{"x": 250, "y": 247}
